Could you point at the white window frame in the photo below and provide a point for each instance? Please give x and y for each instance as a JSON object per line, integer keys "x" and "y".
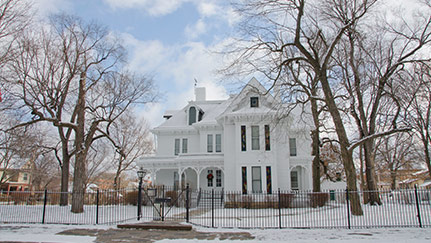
{"x": 177, "y": 146}
{"x": 293, "y": 151}
{"x": 255, "y": 140}
{"x": 218, "y": 178}
{"x": 184, "y": 146}
{"x": 210, "y": 143}
{"x": 218, "y": 143}
{"x": 256, "y": 179}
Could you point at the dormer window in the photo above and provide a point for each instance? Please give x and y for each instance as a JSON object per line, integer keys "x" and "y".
{"x": 254, "y": 101}
{"x": 201, "y": 114}
{"x": 195, "y": 115}
{"x": 192, "y": 115}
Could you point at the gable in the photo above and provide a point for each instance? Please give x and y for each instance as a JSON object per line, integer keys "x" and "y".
{"x": 253, "y": 91}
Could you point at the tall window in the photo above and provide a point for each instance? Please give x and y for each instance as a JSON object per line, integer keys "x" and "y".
{"x": 292, "y": 146}
{"x": 209, "y": 143}
{"x": 256, "y": 179}
{"x": 218, "y": 178}
{"x": 184, "y": 149}
{"x": 192, "y": 115}
{"x": 294, "y": 182}
{"x": 243, "y": 139}
{"x": 244, "y": 179}
{"x": 254, "y": 101}
{"x": 268, "y": 180}
{"x": 177, "y": 146}
{"x": 267, "y": 139}
{"x": 210, "y": 178}
{"x": 218, "y": 143}
{"x": 176, "y": 180}
{"x": 25, "y": 176}
{"x": 255, "y": 138}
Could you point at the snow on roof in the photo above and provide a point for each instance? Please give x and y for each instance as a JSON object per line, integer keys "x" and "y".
{"x": 407, "y": 181}
{"x": 420, "y": 172}
{"x": 237, "y": 104}
{"x": 211, "y": 109}
{"x": 425, "y": 184}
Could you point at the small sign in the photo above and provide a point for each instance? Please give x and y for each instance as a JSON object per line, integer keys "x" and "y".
{"x": 162, "y": 200}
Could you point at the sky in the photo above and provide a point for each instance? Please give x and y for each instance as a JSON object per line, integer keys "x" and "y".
{"x": 174, "y": 41}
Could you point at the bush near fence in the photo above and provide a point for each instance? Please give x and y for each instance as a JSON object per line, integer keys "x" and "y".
{"x": 318, "y": 199}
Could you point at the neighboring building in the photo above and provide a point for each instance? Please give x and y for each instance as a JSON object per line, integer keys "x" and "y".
{"x": 238, "y": 144}
{"x": 420, "y": 179}
{"x": 13, "y": 179}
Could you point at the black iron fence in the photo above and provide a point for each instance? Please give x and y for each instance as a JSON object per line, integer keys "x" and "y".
{"x": 100, "y": 207}
{"x": 302, "y": 209}
{"x": 279, "y": 209}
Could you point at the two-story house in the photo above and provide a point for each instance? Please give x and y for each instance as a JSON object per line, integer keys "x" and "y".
{"x": 15, "y": 179}
{"x": 239, "y": 144}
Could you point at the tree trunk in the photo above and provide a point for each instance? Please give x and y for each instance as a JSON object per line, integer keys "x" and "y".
{"x": 117, "y": 180}
{"x": 364, "y": 190}
{"x": 80, "y": 157}
{"x": 316, "y": 147}
{"x": 64, "y": 187}
{"x": 393, "y": 178}
{"x": 427, "y": 154}
{"x": 373, "y": 193}
{"x": 346, "y": 155}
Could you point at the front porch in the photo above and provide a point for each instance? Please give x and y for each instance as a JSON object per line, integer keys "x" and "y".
{"x": 201, "y": 171}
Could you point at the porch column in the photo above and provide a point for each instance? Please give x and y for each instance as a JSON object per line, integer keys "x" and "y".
{"x": 180, "y": 176}
{"x": 153, "y": 176}
{"x": 198, "y": 181}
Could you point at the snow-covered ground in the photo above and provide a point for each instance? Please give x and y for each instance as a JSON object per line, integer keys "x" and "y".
{"x": 48, "y": 233}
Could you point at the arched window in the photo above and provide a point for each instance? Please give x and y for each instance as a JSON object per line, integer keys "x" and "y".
{"x": 192, "y": 115}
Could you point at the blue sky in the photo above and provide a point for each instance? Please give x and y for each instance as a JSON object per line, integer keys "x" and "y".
{"x": 173, "y": 40}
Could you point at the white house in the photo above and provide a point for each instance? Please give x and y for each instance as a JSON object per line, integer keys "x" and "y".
{"x": 238, "y": 144}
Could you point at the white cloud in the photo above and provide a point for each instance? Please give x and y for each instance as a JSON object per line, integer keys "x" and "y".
{"x": 194, "y": 31}
{"x": 152, "y": 7}
{"x": 151, "y": 113}
{"x": 176, "y": 66}
{"x": 207, "y": 8}
{"x": 47, "y": 7}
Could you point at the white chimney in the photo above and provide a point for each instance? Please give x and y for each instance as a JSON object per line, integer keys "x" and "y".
{"x": 200, "y": 94}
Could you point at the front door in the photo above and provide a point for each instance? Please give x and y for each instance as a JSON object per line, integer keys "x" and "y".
{"x": 294, "y": 180}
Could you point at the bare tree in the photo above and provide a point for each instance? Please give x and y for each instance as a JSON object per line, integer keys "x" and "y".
{"x": 416, "y": 90}
{"x": 369, "y": 63}
{"x": 396, "y": 152}
{"x": 133, "y": 141}
{"x": 332, "y": 162}
{"x": 72, "y": 77}
{"x": 15, "y": 16}
{"x": 282, "y": 32}
{"x": 300, "y": 87}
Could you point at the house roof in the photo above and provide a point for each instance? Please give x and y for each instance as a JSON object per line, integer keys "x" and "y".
{"x": 235, "y": 105}
{"x": 212, "y": 109}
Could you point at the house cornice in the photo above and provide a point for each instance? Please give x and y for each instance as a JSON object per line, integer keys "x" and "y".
{"x": 189, "y": 130}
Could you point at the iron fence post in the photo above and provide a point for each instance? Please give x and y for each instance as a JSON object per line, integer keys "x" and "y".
{"x": 162, "y": 208}
{"x": 279, "y": 208}
{"x": 187, "y": 203}
{"x": 97, "y": 206}
{"x": 212, "y": 208}
{"x": 348, "y": 208}
{"x": 417, "y": 207}
{"x": 140, "y": 199}
{"x": 45, "y": 199}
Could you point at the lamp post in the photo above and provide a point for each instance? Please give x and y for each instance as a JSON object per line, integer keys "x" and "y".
{"x": 141, "y": 173}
